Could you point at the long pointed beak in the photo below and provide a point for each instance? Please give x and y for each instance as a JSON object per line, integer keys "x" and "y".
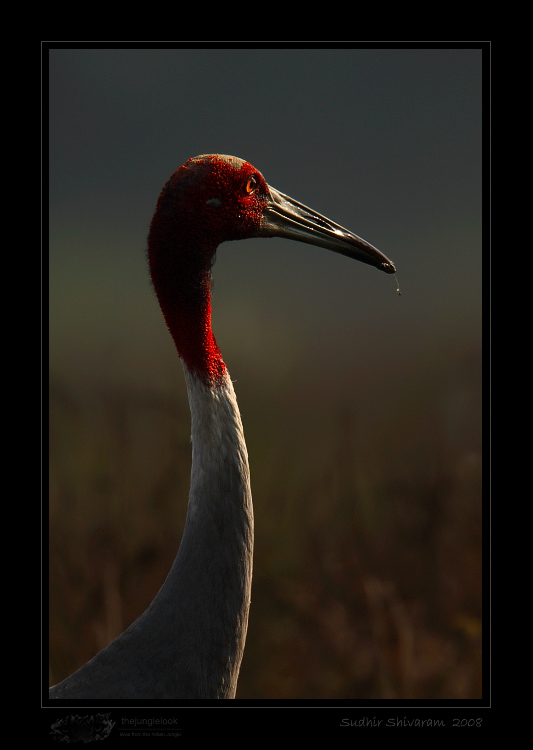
{"x": 285, "y": 217}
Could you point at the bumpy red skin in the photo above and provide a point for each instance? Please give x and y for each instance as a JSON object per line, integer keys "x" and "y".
{"x": 209, "y": 200}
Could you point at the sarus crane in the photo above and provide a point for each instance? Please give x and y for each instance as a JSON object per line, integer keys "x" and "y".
{"x": 189, "y": 643}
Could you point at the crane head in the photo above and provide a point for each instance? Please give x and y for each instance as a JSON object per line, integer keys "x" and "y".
{"x": 217, "y": 198}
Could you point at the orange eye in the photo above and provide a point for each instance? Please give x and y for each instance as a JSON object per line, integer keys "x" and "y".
{"x": 251, "y": 184}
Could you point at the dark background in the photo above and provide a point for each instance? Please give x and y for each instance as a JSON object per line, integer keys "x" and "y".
{"x": 361, "y": 408}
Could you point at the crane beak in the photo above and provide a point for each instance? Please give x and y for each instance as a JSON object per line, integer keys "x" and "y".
{"x": 285, "y": 217}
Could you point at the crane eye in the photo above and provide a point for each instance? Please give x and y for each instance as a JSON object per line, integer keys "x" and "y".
{"x": 251, "y": 184}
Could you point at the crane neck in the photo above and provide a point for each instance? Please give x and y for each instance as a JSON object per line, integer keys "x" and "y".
{"x": 210, "y": 581}
{"x": 203, "y": 604}
{"x": 180, "y": 268}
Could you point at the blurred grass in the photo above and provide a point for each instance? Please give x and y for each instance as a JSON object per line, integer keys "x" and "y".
{"x": 367, "y": 565}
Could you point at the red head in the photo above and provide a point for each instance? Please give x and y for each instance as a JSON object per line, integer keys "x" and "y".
{"x": 209, "y": 200}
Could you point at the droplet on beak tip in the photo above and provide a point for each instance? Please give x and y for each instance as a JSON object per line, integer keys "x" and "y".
{"x": 397, "y": 285}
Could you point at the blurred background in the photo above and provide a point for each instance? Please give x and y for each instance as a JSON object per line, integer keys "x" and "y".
{"x": 361, "y": 408}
